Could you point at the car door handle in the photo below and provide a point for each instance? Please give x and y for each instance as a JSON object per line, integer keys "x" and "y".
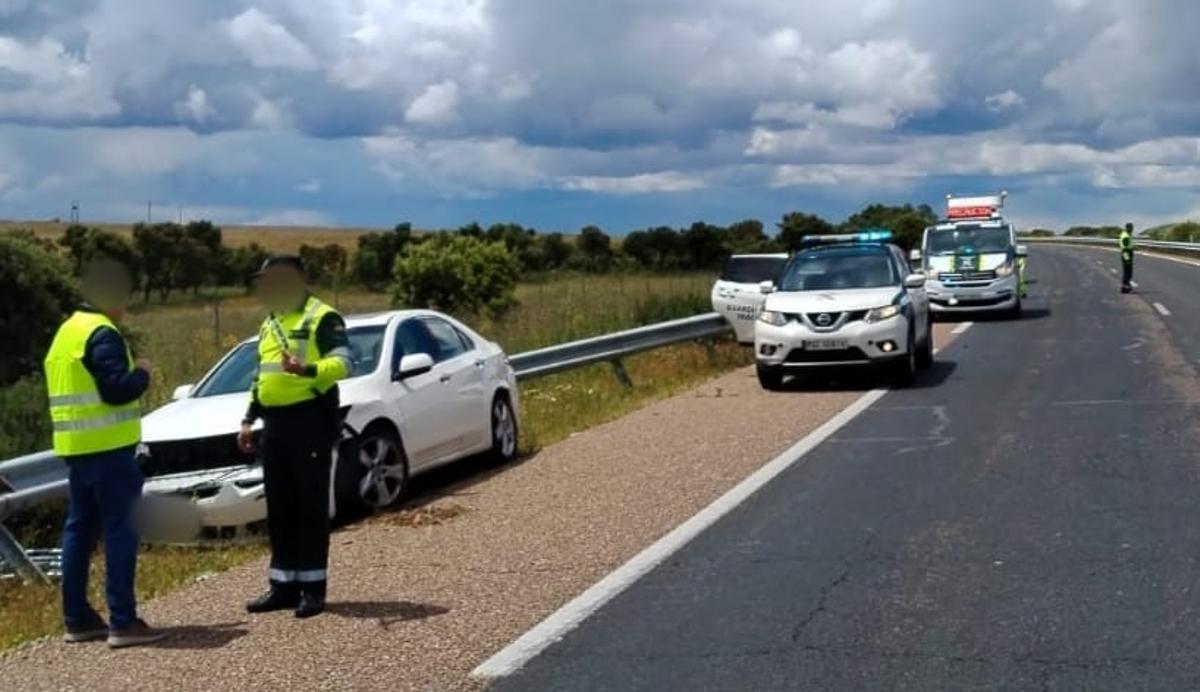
{"x": 480, "y": 363}
{"x": 444, "y": 378}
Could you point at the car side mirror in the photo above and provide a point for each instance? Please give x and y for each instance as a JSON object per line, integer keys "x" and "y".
{"x": 914, "y": 255}
{"x": 183, "y": 391}
{"x": 766, "y": 287}
{"x": 413, "y": 365}
{"x": 1022, "y": 251}
{"x": 915, "y": 281}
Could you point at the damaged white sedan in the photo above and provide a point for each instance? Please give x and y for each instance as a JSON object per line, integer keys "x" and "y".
{"x": 425, "y": 390}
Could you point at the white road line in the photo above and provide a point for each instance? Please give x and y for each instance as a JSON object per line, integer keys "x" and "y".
{"x": 1112, "y": 270}
{"x": 511, "y": 658}
{"x": 961, "y": 328}
{"x": 1162, "y": 309}
{"x": 1133, "y": 283}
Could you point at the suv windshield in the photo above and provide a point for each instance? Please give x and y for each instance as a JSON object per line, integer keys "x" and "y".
{"x": 752, "y": 270}
{"x": 832, "y": 269}
{"x": 968, "y": 239}
{"x": 236, "y": 372}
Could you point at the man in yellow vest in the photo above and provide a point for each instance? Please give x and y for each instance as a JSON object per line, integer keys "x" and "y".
{"x": 1125, "y": 241}
{"x": 94, "y": 385}
{"x": 302, "y": 353}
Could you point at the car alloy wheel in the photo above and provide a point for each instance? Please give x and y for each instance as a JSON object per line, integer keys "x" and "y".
{"x": 384, "y": 470}
{"x": 504, "y": 430}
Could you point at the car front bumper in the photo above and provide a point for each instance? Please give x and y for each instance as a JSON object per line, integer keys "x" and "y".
{"x": 999, "y": 294}
{"x": 867, "y": 343}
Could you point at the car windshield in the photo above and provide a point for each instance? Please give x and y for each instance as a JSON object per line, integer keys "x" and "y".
{"x": 839, "y": 268}
{"x": 968, "y": 239}
{"x": 236, "y": 372}
{"x": 752, "y": 270}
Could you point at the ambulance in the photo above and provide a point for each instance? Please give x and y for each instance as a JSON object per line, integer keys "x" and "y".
{"x": 972, "y": 260}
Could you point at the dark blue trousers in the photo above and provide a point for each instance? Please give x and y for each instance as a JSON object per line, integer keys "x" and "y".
{"x": 103, "y": 491}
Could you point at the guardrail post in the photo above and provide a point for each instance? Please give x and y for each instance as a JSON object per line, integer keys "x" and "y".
{"x": 622, "y": 375}
{"x": 15, "y": 556}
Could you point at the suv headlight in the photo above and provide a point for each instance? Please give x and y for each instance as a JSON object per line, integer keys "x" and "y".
{"x": 775, "y": 319}
{"x": 1005, "y": 269}
{"x": 886, "y": 312}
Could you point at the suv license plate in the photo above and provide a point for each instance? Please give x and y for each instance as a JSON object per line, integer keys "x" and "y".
{"x": 826, "y": 344}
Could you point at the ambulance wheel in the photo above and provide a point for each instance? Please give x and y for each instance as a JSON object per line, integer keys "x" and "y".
{"x": 770, "y": 378}
{"x": 372, "y": 471}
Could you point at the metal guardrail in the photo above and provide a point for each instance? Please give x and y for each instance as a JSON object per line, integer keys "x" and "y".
{"x": 38, "y": 478}
{"x": 1138, "y": 243}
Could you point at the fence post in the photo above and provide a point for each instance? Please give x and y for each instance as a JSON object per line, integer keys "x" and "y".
{"x": 15, "y": 556}
{"x": 622, "y": 375}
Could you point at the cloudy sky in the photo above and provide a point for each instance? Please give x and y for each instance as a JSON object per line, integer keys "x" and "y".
{"x": 624, "y": 113}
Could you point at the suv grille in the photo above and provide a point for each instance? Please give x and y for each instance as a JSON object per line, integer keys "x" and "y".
{"x": 179, "y": 456}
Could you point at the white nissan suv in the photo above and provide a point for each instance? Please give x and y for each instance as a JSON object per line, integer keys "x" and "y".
{"x": 844, "y": 300}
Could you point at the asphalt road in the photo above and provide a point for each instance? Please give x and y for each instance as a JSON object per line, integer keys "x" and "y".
{"x": 1027, "y": 518}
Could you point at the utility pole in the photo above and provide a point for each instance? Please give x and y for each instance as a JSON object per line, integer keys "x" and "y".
{"x": 74, "y": 211}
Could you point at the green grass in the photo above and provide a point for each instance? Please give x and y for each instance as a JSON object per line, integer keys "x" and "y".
{"x": 181, "y": 339}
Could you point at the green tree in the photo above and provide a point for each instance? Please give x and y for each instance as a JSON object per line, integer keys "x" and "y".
{"x": 704, "y": 246}
{"x": 556, "y": 250}
{"x": 595, "y": 247}
{"x": 164, "y": 253}
{"x": 458, "y": 274}
{"x": 907, "y": 222}
{"x": 323, "y": 265}
{"x": 377, "y": 254}
{"x": 36, "y": 294}
{"x": 748, "y": 237}
{"x": 796, "y": 225}
{"x": 82, "y": 243}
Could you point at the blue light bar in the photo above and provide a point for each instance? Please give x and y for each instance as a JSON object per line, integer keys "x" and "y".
{"x": 870, "y": 235}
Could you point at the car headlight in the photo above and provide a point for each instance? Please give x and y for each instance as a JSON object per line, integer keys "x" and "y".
{"x": 775, "y": 319}
{"x": 932, "y": 274}
{"x": 1004, "y": 270}
{"x": 886, "y": 312}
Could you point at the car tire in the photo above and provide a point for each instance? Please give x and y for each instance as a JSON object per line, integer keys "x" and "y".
{"x": 505, "y": 431}
{"x": 925, "y": 353}
{"x": 906, "y": 369}
{"x": 770, "y": 378}
{"x": 372, "y": 472}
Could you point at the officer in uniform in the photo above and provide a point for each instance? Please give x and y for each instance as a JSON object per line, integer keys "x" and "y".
{"x": 302, "y": 353}
{"x": 94, "y": 385}
{"x": 1126, "y": 242}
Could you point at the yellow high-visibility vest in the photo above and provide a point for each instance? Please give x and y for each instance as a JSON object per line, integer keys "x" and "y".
{"x": 295, "y": 334}
{"x": 83, "y": 423}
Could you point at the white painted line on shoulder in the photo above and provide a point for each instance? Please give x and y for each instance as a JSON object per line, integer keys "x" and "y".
{"x": 961, "y": 328}
{"x": 511, "y": 658}
{"x": 1111, "y": 269}
{"x": 1162, "y": 309}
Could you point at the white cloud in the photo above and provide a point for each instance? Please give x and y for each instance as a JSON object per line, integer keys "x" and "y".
{"x": 309, "y": 187}
{"x": 268, "y": 44}
{"x": 437, "y": 105}
{"x": 194, "y": 106}
{"x": 1004, "y": 100}
{"x": 51, "y": 83}
{"x": 640, "y": 184}
{"x": 269, "y": 115}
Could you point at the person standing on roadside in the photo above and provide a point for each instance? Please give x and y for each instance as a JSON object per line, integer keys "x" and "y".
{"x": 94, "y": 384}
{"x": 303, "y": 351}
{"x": 1125, "y": 241}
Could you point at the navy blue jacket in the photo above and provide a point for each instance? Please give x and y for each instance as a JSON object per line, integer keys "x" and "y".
{"x": 105, "y": 358}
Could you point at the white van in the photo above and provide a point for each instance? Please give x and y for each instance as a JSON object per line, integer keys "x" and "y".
{"x": 738, "y": 293}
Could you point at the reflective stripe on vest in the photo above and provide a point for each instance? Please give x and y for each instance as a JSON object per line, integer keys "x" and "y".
{"x": 81, "y": 421}
{"x": 290, "y": 334}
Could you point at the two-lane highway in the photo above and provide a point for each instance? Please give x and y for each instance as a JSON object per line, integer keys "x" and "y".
{"x": 1027, "y": 517}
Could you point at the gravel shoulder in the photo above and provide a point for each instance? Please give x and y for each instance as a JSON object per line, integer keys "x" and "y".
{"x": 419, "y": 598}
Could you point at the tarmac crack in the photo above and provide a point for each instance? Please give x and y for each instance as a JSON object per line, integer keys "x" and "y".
{"x": 827, "y": 589}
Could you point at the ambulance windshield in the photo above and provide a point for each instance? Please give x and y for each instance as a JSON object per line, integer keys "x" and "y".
{"x": 968, "y": 239}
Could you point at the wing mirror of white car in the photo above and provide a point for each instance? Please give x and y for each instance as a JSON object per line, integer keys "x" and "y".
{"x": 915, "y": 281}
{"x": 766, "y": 287}
{"x": 1022, "y": 251}
{"x": 914, "y": 255}
{"x": 412, "y": 365}
{"x": 183, "y": 391}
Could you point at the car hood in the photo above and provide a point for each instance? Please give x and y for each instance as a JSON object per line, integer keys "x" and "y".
{"x": 212, "y": 416}
{"x": 831, "y": 301}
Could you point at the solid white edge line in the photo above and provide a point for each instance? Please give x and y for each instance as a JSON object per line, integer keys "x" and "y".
{"x": 511, "y": 658}
{"x": 961, "y": 328}
{"x": 1162, "y": 309}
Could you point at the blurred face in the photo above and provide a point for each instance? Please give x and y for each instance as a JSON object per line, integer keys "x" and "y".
{"x": 107, "y": 286}
{"x": 280, "y": 289}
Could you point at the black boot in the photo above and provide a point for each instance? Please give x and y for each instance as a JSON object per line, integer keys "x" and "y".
{"x": 311, "y": 603}
{"x": 276, "y": 598}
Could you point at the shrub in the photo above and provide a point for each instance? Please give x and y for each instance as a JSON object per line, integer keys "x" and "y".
{"x": 36, "y": 293}
{"x": 460, "y": 273}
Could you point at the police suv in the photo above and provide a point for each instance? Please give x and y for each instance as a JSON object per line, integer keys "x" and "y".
{"x": 844, "y": 300}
